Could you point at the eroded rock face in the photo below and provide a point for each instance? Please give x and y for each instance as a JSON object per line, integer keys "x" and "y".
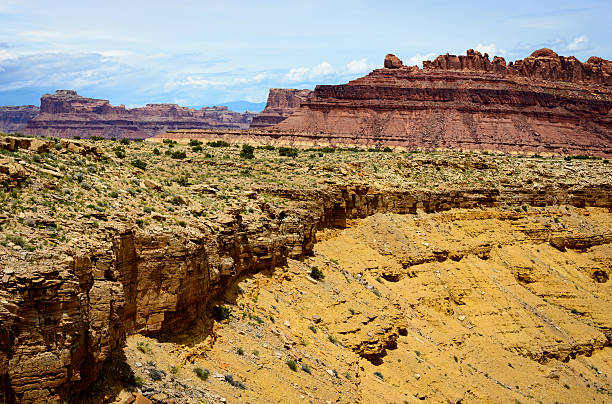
{"x": 282, "y": 102}
{"x": 544, "y": 103}
{"x": 63, "y": 316}
{"x": 67, "y": 114}
{"x": 392, "y": 62}
{"x": 15, "y": 118}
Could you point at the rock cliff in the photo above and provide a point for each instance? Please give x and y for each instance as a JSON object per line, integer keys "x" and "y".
{"x": 67, "y": 114}
{"x": 544, "y": 103}
{"x": 116, "y": 249}
{"x": 15, "y": 118}
{"x": 282, "y": 102}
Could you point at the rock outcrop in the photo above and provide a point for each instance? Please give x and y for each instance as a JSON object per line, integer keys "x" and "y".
{"x": 63, "y": 317}
{"x": 282, "y": 102}
{"x": 15, "y": 118}
{"x": 543, "y": 103}
{"x": 67, "y": 114}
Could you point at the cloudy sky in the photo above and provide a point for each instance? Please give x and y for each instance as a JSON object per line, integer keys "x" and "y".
{"x": 198, "y": 53}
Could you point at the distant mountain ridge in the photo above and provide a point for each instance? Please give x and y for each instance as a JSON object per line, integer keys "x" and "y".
{"x": 242, "y": 106}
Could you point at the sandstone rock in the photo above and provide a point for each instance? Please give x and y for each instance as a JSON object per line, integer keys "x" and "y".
{"x": 11, "y": 173}
{"x": 392, "y": 62}
{"x": 281, "y": 103}
{"x": 541, "y": 103}
{"x": 67, "y": 114}
{"x": 15, "y": 118}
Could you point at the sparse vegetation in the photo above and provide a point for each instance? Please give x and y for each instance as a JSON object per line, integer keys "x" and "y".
{"x": 292, "y": 364}
{"x": 316, "y": 273}
{"x": 202, "y": 373}
{"x": 221, "y": 312}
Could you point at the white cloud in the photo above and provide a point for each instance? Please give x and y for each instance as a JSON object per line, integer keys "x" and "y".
{"x": 198, "y": 81}
{"x": 323, "y": 69}
{"x": 418, "y": 59}
{"x": 297, "y": 74}
{"x": 491, "y": 49}
{"x": 358, "y": 66}
{"x": 580, "y": 43}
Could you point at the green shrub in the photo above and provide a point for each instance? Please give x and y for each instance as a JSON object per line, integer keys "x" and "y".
{"x": 169, "y": 141}
{"x": 139, "y": 164}
{"x": 218, "y": 143}
{"x": 292, "y": 364}
{"x": 179, "y": 154}
{"x": 316, "y": 273}
{"x": 201, "y": 373}
{"x": 119, "y": 152}
{"x": 96, "y": 138}
{"x": 124, "y": 141}
{"x": 156, "y": 151}
{"x": 288, "y": 152}
{"x": 194, "y": 142}
{"x": 221, "y": 312}
{"x": 247, "y": 151}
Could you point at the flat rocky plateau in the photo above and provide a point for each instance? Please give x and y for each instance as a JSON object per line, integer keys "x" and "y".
{"x": 188, "y": 272}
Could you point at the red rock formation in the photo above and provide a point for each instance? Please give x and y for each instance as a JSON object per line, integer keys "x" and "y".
{"x": 14, "y": 119}
{"x": 392, "y": 62}
{"x": 545, "y": 103}
{"x": 66, "y": 114}
{"x": 282, "y": 102}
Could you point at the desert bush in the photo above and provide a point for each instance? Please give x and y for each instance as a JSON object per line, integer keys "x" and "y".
{"x": 221, "y": 312}
{"x": 316, "y": 273}
{"x": 247, "y": 151}
{"x": 287, "y": 151}
{"x": 292, "y": 364}
{"x": 201, "y": 373}
{"x": 124, "y": 141}
{"x": 218, "y": 143}
{"x": 138, "y": 163}
{"x": 179, "y": 154}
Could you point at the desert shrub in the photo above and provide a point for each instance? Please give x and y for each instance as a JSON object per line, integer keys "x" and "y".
{"x": 387, "y": 149}
{"x": 306, "y": 368}
{"x": 247, "y": 151}
{"x": 194, "y": 142}
{"x": 76, "y": 137}
{"x": 201, "y": 373}
{"x": 287, "y": 151}
{"x": 221, "y": 312}
{"x": 266, "y": 147}
{"x": 58, "y": 146}
{"x": 218, "y": 143}
{"x": 168, "y": 141}
{"x": 119, "y": 151}
{"x": 292, "y": 364}
{"x": 179, "y": 154}
{"x": 156, "y": 151}
{"x": 96, "y": 138}
{"x": 138, "y": 163}
{"x": 196, "y": 149}
{"x": 124, "y": 141}
{"x": 316, "y": 273}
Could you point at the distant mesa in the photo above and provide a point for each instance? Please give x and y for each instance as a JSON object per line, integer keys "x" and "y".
{"x": 67, "y": 114}
{"x": 15, "y": 118}
{"x": 282, "y": 102}
{"x": 543, "y": 103}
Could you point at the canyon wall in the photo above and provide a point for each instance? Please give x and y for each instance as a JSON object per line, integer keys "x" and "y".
{"x": 544, "y": 103}
{"x": 282, "y": 102}
{"x": 63, "y": 316}
{"x": 67, "y": 114}
{"x": 15, "y": 118}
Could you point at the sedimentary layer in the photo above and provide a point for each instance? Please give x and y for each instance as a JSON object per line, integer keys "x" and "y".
{"x": 544, "y": 103}
{"x": 282, "y": 102}
{"x": 67, "y": 114}
{"x": 15, "y": 118}
{"x": 127, "y": 250}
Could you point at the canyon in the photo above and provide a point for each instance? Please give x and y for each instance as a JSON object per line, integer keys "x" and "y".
{"x": 116, "y": 257}
{"x": 67, "y": 114}
{"x": 543, "y": 103}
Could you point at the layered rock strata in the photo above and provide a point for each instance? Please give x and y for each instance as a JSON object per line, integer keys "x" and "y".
{"x": 543, "y": 103}
{"x": 282, "y": 102}
{"x": 15, "y": 118}
{"x": 67, "y": 114}
{"x": 64, "y": 315}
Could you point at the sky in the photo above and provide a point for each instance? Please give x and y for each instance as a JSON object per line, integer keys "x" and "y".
{"x": 198, "y": 53}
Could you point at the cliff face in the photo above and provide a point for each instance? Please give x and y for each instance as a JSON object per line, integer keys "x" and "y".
{"x": 543, "y": 103}
{"x": 282, "y": 102}
{"x": 66, "y": 114}
{"x": 15, "y": 119}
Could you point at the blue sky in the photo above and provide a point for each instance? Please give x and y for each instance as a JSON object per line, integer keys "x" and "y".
{"x": 135, "y": 52}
